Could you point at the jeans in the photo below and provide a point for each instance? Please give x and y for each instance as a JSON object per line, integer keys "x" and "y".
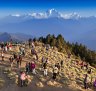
{"x": 22, "y": 82}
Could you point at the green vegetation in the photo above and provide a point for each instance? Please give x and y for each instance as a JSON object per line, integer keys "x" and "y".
{"x": 78, "y": 50}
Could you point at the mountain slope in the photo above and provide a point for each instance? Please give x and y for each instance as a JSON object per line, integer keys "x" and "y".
{"x": 4, "y": 37}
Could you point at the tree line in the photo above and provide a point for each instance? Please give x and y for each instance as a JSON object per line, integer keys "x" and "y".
{"x": 79, "y": 50}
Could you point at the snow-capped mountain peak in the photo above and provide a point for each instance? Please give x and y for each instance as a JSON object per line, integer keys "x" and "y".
{"x": 48, "y": 14}
{"x": 38, "y": 15}
{"x": 53, "y": 13}
{"x": 71, "y": 16}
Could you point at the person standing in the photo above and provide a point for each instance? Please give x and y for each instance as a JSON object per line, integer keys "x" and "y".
{"x": 55, "y": 72}
{"x": 33, "y": 67}
{"x": 2, "y": 55}
{"x": 20, "y": 60}
{"x": 23, "y": 78}
{"x": 17, "y": 62}
{"x": 45, "y": 69}
{"x": 27, "y": 67}
{"x": 61, "y": 63}
{"x": 11, "y": 61}
{"x": 86, "y": 82}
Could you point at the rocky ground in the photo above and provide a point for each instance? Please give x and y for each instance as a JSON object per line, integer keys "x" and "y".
{"x": 70, "y": 78}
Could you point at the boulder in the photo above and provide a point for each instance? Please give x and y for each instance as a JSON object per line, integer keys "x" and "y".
{"x": 40, "y": 84}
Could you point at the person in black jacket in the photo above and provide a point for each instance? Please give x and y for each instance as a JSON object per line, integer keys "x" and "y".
{"x": 86, "y": 82}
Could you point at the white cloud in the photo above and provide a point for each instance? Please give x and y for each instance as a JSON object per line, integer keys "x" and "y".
{"x": 17, "y": 15}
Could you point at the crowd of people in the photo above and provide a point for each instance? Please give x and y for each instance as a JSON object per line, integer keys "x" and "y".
{"x": 31, "y": 66}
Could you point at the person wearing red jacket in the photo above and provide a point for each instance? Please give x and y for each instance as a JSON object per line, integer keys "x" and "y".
{"x": 33, "y": 67}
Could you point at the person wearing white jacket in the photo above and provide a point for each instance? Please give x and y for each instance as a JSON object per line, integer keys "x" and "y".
{"x": 55, "y": 72}
{"x": 45, "y": 71}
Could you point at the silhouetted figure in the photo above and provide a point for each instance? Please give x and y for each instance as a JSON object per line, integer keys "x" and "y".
{"x": 86, "y": 82}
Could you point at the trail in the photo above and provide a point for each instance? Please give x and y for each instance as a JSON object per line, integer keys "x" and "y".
{"x": 10, "y": 85}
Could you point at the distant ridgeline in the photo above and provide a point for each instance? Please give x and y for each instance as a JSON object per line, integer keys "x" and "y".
{"x": 76, "y": 49}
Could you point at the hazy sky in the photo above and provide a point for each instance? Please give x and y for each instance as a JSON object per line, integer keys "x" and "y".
{"x": 83, "y": 7}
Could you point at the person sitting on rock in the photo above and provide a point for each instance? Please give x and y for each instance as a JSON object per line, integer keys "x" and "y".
{"x": 55, "y": 72}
